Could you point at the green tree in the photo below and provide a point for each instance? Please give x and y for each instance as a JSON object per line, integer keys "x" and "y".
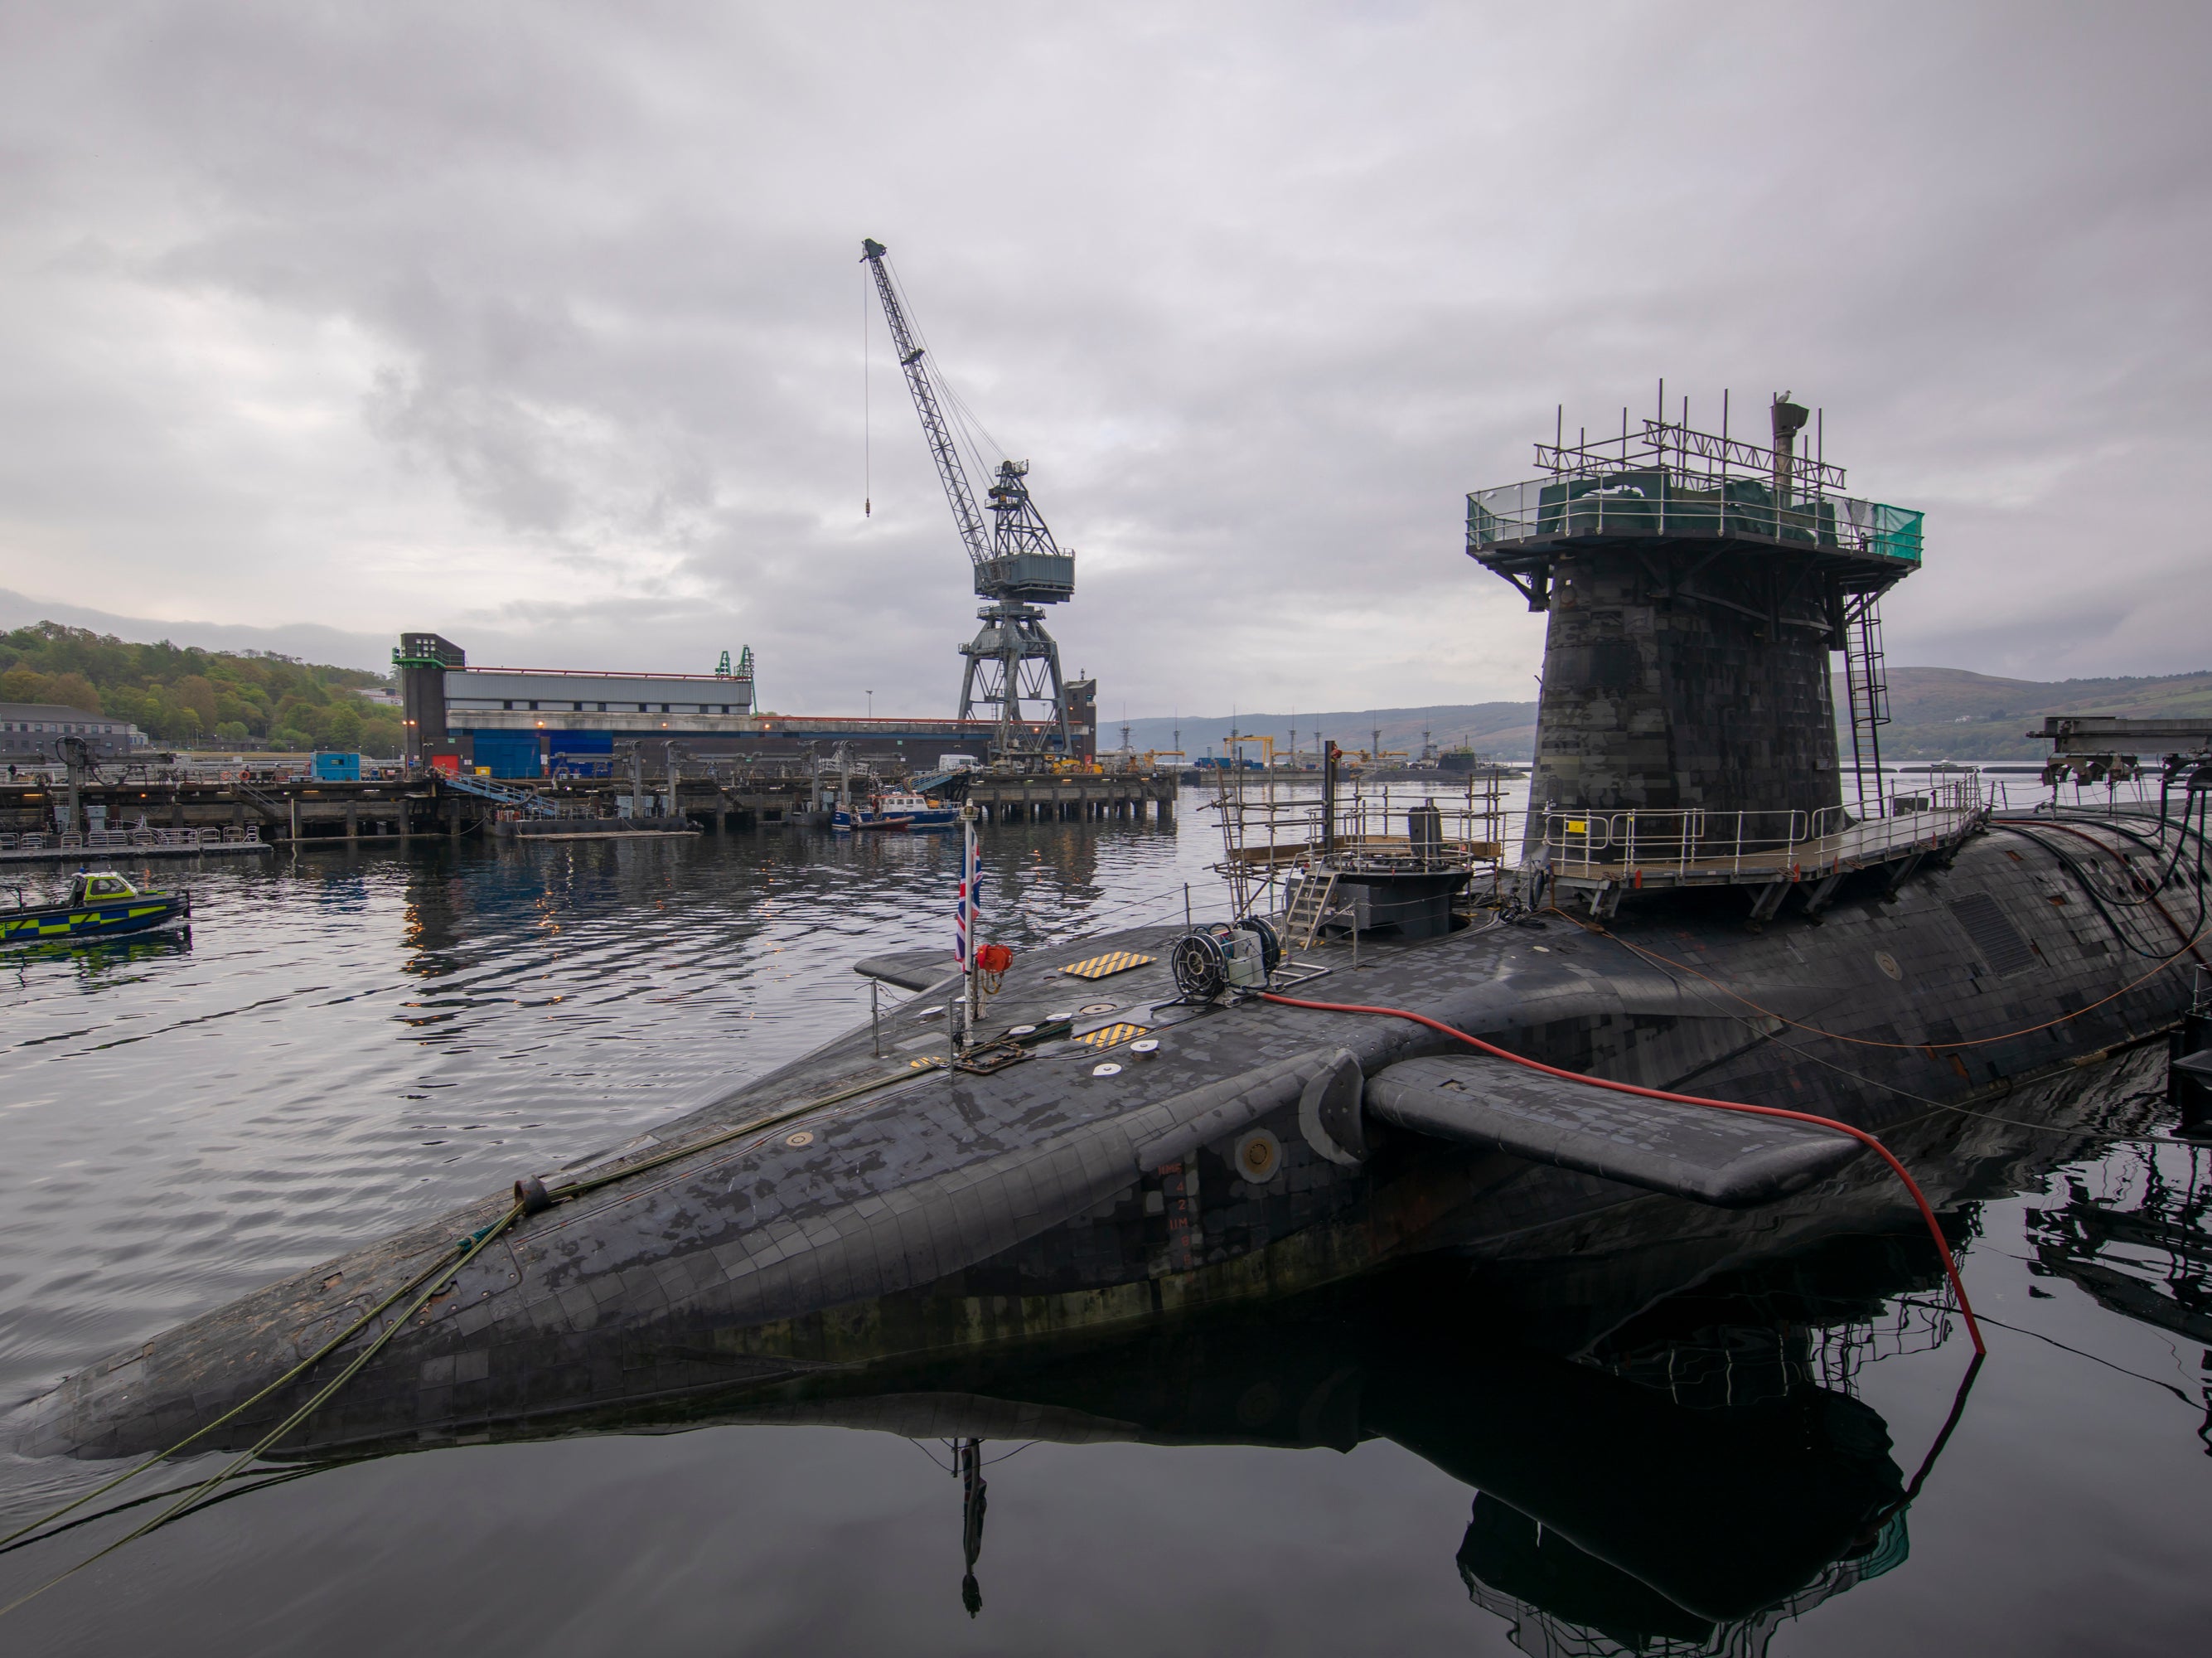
{"x": 195, "y": 692}
{"x": 73, "y": 690}
{"x": 340, "y": 728}
{"x": 381, "y": 734}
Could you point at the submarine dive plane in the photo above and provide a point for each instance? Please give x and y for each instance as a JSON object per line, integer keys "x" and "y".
{"x": 1164, "y": 1119}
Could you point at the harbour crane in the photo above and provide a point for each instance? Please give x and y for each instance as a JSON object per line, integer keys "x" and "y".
{"x": 1012, "y": 664}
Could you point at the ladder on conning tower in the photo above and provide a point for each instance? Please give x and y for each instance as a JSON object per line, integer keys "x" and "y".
{"x": 1867, "y": 688}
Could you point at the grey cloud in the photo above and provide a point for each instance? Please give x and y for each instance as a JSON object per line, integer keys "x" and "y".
{"x": 542, "y": 327}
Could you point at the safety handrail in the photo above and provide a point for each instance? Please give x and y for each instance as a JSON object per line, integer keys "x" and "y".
{"x": 1656, "y": 501}
{"x": 485, "y": 789}
{"x": 1703, "y": 841}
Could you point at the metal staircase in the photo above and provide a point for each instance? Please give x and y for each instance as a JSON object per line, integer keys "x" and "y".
{"x": 268, "y": 805}
{"x": 1309, "y": 908}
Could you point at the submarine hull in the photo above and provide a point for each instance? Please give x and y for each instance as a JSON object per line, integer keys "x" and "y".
{"x": 857, "y": 1206}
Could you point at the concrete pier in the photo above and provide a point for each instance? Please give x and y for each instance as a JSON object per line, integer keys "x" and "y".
{"x": 304, "y": 812}
{"x": 1084, "y": 797}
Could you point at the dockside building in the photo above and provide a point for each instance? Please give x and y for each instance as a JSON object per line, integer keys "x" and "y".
{"x": 530, "y": 723}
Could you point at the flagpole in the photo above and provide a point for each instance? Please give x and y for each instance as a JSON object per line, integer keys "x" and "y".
{"x": 970, "y": 930}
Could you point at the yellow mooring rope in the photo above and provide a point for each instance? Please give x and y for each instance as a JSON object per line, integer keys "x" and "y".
{"x": 430, "y": 1281}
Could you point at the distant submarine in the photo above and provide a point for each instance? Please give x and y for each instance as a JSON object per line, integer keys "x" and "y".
{"x": 1128, "y": 1127}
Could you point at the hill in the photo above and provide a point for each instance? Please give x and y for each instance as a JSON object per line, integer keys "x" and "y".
{"x": 1936, "y": 713}
{"x": 1507, "y": 730}
{"x": 1944, "y": 713}
{"x": 184, "y": 696}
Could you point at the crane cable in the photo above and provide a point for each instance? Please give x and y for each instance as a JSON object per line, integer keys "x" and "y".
{"x": 965, "y": 424}
{"x": 867, "y": 406}
{"x": 1927, "y": 1213}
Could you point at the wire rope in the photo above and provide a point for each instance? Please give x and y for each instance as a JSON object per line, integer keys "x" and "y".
{"x": 867, "y": 406}
{"x": 964, "y": 423}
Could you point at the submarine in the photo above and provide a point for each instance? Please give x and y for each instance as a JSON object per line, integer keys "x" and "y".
{"x": 1659, "y": 1455}
{"x": 1377, "y": 1061}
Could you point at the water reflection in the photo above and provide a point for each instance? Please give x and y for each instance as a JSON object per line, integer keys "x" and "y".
{"x": 2140, "y": 1245}
{"x": 1685, "y": 1493}
{"x": 97, "y": 959}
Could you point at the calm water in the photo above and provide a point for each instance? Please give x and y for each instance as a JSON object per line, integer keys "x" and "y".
{"x": 353, "y": 1041}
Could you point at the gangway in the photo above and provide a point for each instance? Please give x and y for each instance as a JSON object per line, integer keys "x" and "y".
{"x": 536, "y": 806}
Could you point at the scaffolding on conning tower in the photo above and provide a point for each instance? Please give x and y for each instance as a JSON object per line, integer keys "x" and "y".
{"x": 1677, "y": 499}
{"x": 1277, "y": 832}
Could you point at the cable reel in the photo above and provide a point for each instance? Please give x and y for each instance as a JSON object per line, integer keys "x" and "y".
{"x": 1271, "y": 943}
{"x": 1220, "y": 957}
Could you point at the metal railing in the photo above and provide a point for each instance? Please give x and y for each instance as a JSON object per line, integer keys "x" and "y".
{"x": 1271, "y": 826}
{"x": 1656, "y": 502}
{"x": 522, "y": 799}
{"x": 1724, "y": 845}
{"x": 119, "y": 840}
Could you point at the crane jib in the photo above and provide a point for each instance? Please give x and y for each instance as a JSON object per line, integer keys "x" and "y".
{"x": 1017, "y": 564}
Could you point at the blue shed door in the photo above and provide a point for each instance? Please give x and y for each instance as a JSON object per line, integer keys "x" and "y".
{"x": 509, "y": 753}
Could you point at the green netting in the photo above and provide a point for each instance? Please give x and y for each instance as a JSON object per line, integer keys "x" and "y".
{"x": 1652, "y": 501}
{"x": 1896, "y": 532}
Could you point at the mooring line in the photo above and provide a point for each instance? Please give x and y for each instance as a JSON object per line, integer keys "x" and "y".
{"x": 473, "y": 1245}
{"x": 202, "y": 1431}
{"x": 476, "y": 1244}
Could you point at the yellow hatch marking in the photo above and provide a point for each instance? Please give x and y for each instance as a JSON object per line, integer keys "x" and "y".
{"x": 1107, "y": 1036}
{"x": 1101, "y": 966}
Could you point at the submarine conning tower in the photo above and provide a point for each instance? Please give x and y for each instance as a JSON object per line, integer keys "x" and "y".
{"x": 1697, "y": 583}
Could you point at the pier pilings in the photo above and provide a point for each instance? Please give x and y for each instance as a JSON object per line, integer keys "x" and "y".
{"x": 306, "y": 811}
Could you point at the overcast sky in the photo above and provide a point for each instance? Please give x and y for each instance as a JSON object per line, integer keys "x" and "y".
{"x": 542, "y": 324}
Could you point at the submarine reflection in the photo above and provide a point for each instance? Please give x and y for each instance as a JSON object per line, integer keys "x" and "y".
{"x": 2141, "y": 1246}
{"x": 1699, "y": 1475}
{"x": 1704, "y": 1475}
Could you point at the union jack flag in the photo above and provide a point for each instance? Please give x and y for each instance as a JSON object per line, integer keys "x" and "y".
{"x": 970, "y": 910}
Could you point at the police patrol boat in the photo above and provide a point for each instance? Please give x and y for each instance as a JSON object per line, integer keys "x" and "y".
{"x": 100, "y": 905}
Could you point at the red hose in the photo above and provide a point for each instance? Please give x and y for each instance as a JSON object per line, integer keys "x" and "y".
{"x": 1926, "y": 1214}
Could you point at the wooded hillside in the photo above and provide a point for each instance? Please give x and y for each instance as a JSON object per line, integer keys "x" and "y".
{"x": 1936, "y": 713}
{"x": 184, "y": 698}
{"x": 1947, "y": 713}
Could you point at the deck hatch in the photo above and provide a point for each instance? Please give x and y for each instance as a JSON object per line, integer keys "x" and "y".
{"x": 1110, "y": 1036}
{"x": 1991, "y": 932}
{"x": 1104, "y": 967}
